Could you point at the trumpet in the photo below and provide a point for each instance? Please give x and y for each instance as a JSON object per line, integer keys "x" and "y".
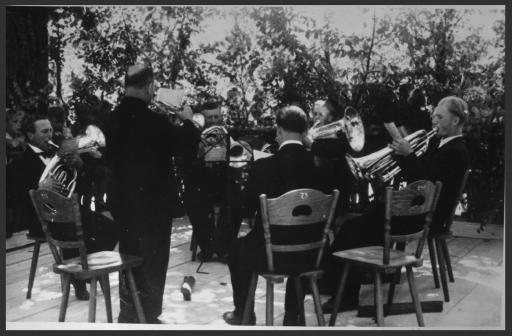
{"x": 351, "y": 125}
{"x": 381, "y": 166}
{"x": 61, "y": 178}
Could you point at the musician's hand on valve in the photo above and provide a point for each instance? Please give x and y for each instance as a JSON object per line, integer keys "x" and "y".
{"x": 307, "y": 140}
{"x": 401, "y": 147}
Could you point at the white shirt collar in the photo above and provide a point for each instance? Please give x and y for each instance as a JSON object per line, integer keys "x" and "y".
{"x": 448, "y": 139}
{"x": 290, "y": 142}
{"x": 37, "y": 150}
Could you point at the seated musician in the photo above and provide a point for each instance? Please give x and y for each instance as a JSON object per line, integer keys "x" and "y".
{"x": 329, "y": 153}
{"x": 210, "y": 192}
{"x": 24, "y": 174}
{"x": 445, "y": 160}
{"x": 292, "y": 167}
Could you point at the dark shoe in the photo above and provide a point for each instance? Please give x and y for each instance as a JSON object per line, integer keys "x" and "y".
{"x": 292, "y": 319}
{"x": 234, "y": 318}
{"x": 345, "y": 305}
{"x": 205, "y": 256}
{"x": 155, "y": 321}
{"x": 81, "y": 292}
{"x": 187, "y": 287}
{"x": 127, "y": 319}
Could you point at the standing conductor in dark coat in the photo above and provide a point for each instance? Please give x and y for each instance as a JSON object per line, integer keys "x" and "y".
{"x": 140, "y": 144}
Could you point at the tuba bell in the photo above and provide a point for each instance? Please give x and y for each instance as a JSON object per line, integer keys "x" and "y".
{"x": 62, "y": 178}
{"x": 381, "y": 166}
{"x": 351, "y": 125}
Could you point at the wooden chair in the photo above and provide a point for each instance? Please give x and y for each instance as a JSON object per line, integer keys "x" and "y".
{"x": 33, "y": 265}
{"x": 287, "y": 214}
{"x": 417, "y": 198}
{"x": 52, "y": 209}
{"x": 438, "y": 248}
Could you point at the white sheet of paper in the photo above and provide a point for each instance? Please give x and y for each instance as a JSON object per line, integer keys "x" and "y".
{"x": 170, "y": 97}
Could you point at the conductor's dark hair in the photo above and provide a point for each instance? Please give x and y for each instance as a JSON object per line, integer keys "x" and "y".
{"x": 139, "y": 78}
{"x": 292, "y": 118}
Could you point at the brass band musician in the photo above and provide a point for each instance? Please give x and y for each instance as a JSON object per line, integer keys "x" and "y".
{"x": 211, "y": 195}
{"x": 446, "y": 159}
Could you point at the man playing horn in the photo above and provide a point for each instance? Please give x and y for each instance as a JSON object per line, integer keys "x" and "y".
{"x": 446, "y": 159}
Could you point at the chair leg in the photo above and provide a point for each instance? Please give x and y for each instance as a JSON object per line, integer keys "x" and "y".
{"x": 65, "y": 296}
{"x": 339, "y": 295}
{"x": 250, "y": 298}
{"x": 269, "y": 311}
{"x": 316, "y": 300}
{"x": 415, "y": 297}
{"x": 33, "y": 268}
{"x": 193, "y": 246}
{"x": 447, "y": 259}
{"x": 300, "y": 300}
{"x": 433, "y": 260}
{"x": 105, "y": 286}
{"x": 377, "y": 292}
{"x": 92, "y": 301}
{"x": 391, "y": 291}
{"x": 442, "y": 270}
{"x": 135, "y": 295}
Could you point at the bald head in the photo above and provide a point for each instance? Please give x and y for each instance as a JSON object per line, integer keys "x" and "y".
{"x": 139, "y": 82}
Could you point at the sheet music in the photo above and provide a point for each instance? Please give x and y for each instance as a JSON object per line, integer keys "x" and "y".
{"x": 170, "y": 97}
{"x": 260, "y": 155}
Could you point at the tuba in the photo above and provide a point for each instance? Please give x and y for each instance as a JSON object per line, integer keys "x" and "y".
{"x": 62, "y": 178}
{"x": 351, "y": 125}
{"x": 381, "y": 166}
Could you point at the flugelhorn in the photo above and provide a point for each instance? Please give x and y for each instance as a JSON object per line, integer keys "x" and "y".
{"x": 351, "y": 125}
{"x": 61, "y": 178}
{"x": 381, "y": 165}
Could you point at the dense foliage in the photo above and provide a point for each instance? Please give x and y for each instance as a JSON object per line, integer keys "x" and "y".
{"x": 276, "y": 56}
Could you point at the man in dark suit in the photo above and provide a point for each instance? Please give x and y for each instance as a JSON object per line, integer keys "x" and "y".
{"x": 446, "y": 159}
{"x": 24, "y": 172}
{"x": 292, "y": 167}
{"x": 140, "y": 146}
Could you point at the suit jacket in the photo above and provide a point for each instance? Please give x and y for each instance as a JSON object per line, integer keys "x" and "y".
{"x": 140, "y": 146}
{"x": 22, "y": 175}
{"x": 446, "y": 164}
{"x": 292, "y": 167}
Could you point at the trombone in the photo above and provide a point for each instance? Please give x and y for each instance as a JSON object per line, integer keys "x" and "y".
{"x": 381, "y": 166}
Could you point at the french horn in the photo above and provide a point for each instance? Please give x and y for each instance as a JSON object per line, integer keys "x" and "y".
{"x": 381, "y": 165}
{"x": 62, "y": 178}
{"x": 351, "y": 125}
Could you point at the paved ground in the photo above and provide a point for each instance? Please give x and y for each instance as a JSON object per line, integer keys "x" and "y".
{"x": 476, "y": 296}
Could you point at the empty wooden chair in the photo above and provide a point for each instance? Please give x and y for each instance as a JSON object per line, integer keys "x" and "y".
{"x": 438, "y": 248}
{"x": 301, "y": 209}
{"x": 418, "y": 198}
{"x": 55, "y": 210}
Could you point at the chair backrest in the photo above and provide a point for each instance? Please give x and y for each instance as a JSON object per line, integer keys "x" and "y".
{"x": 56, "y": 212}
{"x": 297, "y": 221}
{"x": 449, "y": 221}
{"x": 416, "y": 200}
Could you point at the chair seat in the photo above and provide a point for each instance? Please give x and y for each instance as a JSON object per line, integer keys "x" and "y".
{"x": 371, "y": 256}
{"x": 99, "y": 263}
{"x": 36, "y": 238}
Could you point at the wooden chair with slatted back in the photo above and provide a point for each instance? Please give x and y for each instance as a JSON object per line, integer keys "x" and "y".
{"x": 438, "y": 248}
{"x": 283, "y": 218}
{"x": 54, "y": 210}
{"x": 418, "y": 198}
